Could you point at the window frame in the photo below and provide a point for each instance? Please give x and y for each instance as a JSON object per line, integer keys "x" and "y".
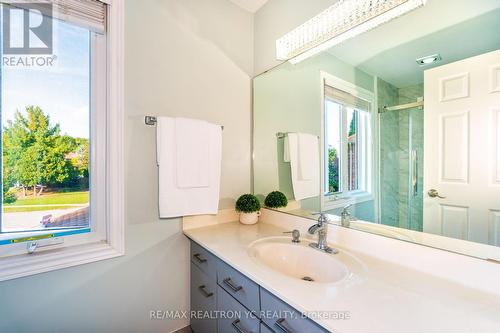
{"x": 340, "y": 151}
{"x": 367, "y": 164}
{"x": 97, "y": 118}
{"x": 106, "y": 239}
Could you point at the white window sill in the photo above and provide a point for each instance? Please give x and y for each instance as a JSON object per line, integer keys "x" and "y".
{"x": 352, "y": 198}
{"x": 51, "y": 259}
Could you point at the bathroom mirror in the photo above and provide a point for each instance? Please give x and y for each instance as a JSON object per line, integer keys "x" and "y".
{"x": 396, "y": 130}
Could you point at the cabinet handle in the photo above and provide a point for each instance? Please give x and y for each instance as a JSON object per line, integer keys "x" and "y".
{"x": 198, "y": 257}
{"x": 280, "y": 323}
{"x": 231, "y": 285}
{"x": 238, "y": 328}
{"x": 204, "y": 291}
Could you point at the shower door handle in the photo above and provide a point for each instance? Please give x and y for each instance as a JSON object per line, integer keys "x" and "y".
{"x": 434, "y": 194}
{"x": 414, "y": 172}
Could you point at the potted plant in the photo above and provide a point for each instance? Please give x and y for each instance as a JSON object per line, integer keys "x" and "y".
{"x": 249, "y": 208}
{"x": 276, "y": 199}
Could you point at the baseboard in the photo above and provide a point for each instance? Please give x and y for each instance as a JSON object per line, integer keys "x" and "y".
{"x": 186, "y": 329}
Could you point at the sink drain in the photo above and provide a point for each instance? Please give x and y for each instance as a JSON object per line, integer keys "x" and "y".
{"x": 307, "y": 278}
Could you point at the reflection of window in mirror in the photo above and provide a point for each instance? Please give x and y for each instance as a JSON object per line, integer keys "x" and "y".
{"x": 333, "y": 145}
{"x": 342, "y": 148}
{"x": 347, "y": 151}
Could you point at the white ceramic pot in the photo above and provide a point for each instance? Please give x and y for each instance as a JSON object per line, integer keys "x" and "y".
{"x": 249, "y": 218}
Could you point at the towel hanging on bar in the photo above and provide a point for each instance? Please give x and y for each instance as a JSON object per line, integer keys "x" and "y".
{"x": 189, "y": 166}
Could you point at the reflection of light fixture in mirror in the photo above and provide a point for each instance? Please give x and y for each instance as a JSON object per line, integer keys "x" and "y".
{"x": 341, "y": 21}
{"x": 425, "y": 61}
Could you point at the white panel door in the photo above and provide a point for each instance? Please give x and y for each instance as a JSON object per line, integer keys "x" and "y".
{"x": 462, "y": 149}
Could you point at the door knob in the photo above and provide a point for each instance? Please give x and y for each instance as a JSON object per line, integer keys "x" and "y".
{"x": 435, "y": 194}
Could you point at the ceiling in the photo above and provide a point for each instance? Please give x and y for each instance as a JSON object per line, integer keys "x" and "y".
{"x": 390, "y": 51}
{"x": 250, "y": 5}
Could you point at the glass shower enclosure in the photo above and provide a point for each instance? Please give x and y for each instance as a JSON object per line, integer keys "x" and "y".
{"x": 401, "y": 126}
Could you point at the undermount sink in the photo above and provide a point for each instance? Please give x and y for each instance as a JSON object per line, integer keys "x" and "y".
{"x": 298, "y": 260}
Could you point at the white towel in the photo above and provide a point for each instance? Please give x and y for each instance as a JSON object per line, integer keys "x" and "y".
{"x": 193, "y": 148}
{"x": 304, "y": 164}
{"x": 189, "y": 159}
{"x": 308, "y": 148}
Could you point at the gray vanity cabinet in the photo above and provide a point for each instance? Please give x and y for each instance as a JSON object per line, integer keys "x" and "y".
{"x": 265, "y": 329}
{"x": 203, "y": 300}
{"x": 237, "y": 301}
{"x": 245, "y": 322}
{"x": 203, "y": 289}
{"x": 239, "y": 286}
{"x": 204, "y": 260}
{"x": 290, "y": 320}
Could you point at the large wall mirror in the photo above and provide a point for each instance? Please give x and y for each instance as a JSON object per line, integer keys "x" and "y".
{"x": 397, "y": 130}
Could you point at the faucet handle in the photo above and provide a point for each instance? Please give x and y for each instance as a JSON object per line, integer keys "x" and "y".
{"x": 323, "y": 218}
{"x": 295, "y": 235}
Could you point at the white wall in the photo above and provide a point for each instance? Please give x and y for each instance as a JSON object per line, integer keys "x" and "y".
{"x": 190, "y": 58}
{"x": 276, "y": 18}
{"x": 183, "y": 57}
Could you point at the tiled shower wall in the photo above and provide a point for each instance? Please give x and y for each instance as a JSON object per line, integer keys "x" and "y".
{"x": 400, "y": 133}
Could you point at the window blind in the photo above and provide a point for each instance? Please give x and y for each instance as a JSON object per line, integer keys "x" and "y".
{"x": 89, "y": 14}
{"x": 346, "y": 98}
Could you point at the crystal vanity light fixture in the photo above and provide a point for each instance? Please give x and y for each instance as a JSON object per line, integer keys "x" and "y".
{"x": 343, "y": 20}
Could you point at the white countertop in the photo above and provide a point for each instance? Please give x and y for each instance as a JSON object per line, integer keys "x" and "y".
{"x": 381, "y": 297}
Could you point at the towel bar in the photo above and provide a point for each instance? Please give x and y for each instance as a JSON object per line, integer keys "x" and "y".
{"x": 281, "y": 135}
{"x": 151, "y": 121}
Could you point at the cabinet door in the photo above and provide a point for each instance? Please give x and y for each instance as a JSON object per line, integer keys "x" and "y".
{"x": 265, "y": 329}
{"x": 290, "y": 321}
{"x": 203, "y": 301}
{"x": 239, "y": 286}
{"x": 204, "y": 260}
{"x": 234, "y": 317}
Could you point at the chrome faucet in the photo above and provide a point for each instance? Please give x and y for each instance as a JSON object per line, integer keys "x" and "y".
{"x": 345, "y": 216}
{"x": 321, "y": 228}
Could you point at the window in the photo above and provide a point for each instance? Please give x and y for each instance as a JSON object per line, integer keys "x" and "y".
{"x": 46, "y": 141}
{"x": 347, "y": 160}
{"x": 343, "y": 143}
{"x": 61, "y": 133}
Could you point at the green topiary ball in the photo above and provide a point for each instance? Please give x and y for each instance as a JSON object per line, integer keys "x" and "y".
{"x": 247, "y": 203}
{"x": 276, "y": 199}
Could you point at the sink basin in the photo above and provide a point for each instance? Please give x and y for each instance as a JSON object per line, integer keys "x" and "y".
{"x": 298, "y": 260}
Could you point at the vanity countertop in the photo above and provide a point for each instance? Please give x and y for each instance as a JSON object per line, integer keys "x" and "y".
{"x": 381, "y": 297}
